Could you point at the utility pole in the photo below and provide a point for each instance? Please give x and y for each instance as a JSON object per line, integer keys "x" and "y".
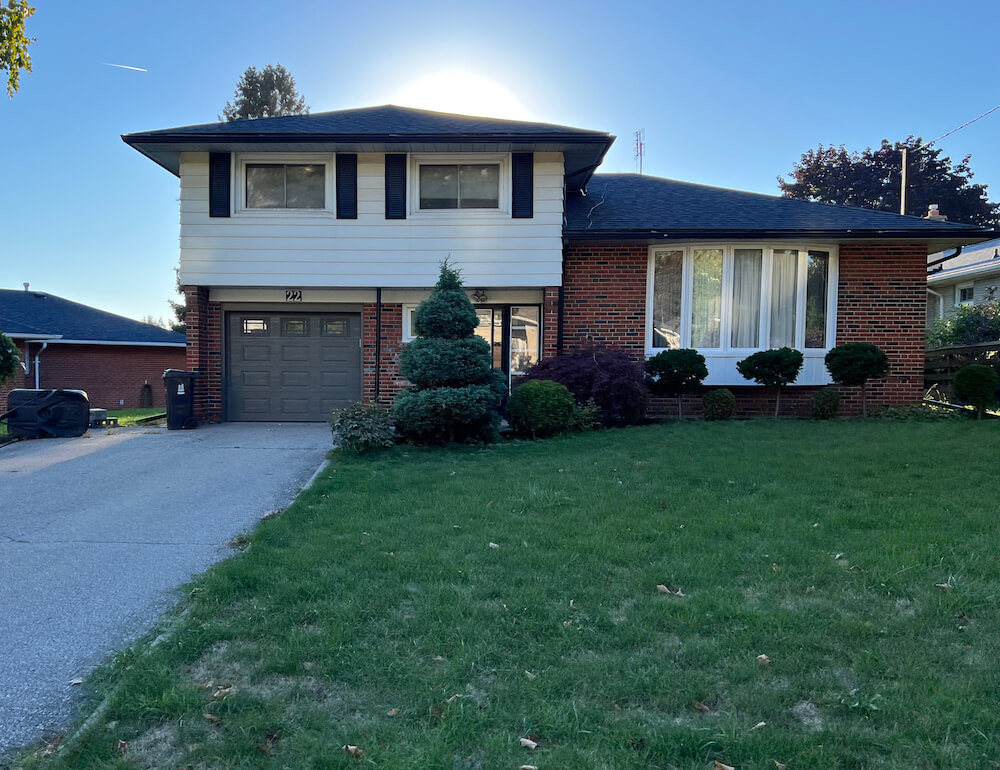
{"x": 640, "y": 147}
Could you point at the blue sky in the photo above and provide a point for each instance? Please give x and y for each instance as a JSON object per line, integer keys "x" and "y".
{"x": 729, "y": 94}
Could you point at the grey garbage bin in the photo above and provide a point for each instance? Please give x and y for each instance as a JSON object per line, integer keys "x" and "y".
{"x": 180, "y": 398}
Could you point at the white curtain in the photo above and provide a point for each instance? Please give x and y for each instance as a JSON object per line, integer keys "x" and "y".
{"x": 746, "y": 297}
{"x": 784, "y": 278}
{"x": 706, "y": 300}
{"x": 667, "y": 267}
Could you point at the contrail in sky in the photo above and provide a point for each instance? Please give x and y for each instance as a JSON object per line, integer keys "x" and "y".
{"x": 126, "y": 67}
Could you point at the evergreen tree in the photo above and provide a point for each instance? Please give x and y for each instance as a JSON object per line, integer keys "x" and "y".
{"x": 266, "y": 93}
{"x": 456, "y": 392}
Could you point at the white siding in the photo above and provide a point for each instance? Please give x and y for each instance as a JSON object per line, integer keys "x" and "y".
{"x": 306, "y": 249}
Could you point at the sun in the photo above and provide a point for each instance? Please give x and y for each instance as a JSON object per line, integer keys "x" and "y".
{"x": 463, "y": 93}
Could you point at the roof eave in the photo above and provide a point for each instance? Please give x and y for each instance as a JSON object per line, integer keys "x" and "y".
{"x": 951, "y": 236}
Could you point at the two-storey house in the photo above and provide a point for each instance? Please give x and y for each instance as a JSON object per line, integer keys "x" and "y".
{"x": 307, "y": 242}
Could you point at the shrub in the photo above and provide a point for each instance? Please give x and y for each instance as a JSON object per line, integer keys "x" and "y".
{"x": 719, "y": 404}
{"x": 10, "y": 360}
{"x": 826, "y": 404}
{"x": 854, "y": 363}
{"x": 673, "y": 372}
{"x": 586, "y": 416}
{"x": 976, "y": 384}
{"x": 970, "y": 325}
{"x": 456, "y": 393}
{"x": 541, "y": 408}
{"x": 772, "y": 368}
{"x": 920, "y": 413}
{"x": 363, "y": 428}
{"x": 614, "y": 382}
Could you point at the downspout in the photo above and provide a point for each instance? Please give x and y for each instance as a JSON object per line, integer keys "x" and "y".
{"x": 37, "y": 364}
{"x": 378, "y": 344}
{"x": 936, "y": 262}
{"x": 940, "y": 297}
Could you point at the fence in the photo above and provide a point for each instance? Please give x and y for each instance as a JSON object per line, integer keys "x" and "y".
{"x": 940, "y": 364}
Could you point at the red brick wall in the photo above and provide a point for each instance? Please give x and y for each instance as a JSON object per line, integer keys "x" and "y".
{"x": 550, "y": 321}
{"x": 390, "y": 383}
{"x": 204, "y": 352}
{"x": 109, "y": 374}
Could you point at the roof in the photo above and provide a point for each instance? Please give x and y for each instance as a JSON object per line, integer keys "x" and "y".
{"x": 981, "y": 259}
{"x": 30, "y": 313}
{"x": 630, "y": 205}
{"x": 360, "y": 129}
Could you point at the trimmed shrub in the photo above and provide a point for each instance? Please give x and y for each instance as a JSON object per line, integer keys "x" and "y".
{"x": 609, "y": 378}
{"x": 976, "y": 384}
{"x": 541, "y": 408}
{"x": 854, "y": 363}
{"x": 673, "y": 372}
{"x": 363, "y": 428}
{"x": 773, "y": 368}
{"x": 826, "y": 404}
{"x": 719, "y": 404}
{"x": 10, "y": 359}
{"x": 456, "y": 393}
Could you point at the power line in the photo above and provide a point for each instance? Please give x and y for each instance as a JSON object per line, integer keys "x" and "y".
{"x": 966, "y": 123}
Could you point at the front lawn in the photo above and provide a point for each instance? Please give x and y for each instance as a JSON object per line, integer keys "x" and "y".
{"x": 127, "y": 417}
{"x": 433, "y": 608}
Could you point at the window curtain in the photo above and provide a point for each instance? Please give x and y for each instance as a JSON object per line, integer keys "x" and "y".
{"x": 784, "y": 278}
{"x": 706, "y": 305}
{"x": 747, "y": 264}
{"x": 667, "y": 268}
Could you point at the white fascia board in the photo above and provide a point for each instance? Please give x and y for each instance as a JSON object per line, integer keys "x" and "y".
{"x": 979, "y": 269}
{"x": 32, "y": 337}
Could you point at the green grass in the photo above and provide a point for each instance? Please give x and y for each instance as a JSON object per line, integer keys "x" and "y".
{"x": 820, "y": 545}
{"x": 127, "y": 417}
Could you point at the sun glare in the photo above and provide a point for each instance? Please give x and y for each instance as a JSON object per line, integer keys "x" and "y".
{"x": 462, "y": 93}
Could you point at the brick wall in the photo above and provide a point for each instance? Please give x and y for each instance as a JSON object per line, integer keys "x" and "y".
{"x": 204, "y": 352}
{"x": 390, "y": 383}
{"x": 110, "y": 374}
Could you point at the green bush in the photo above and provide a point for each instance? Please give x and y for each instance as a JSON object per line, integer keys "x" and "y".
{"x": 854, "y": 363}
{"x": 363, "y": 428}
{"x": 674, "y": 372}
{"x": 587, "y": 416}
{"x": 969, "y": 325}
{"x": 920, "y": 413}
{"x": 10, "y": 359}
{"x": 719, "y": 404}
{"x": 456, "y": 392}
{"x": 541, "y": 408}
{"x": 976, "y": 384}
{"x": 773, "y": 368}
{"x": 826, "y": 404}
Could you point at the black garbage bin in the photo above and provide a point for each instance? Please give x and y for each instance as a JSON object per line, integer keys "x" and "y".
{"x": 180, "y": 398}
{"x": 47, "y": 413}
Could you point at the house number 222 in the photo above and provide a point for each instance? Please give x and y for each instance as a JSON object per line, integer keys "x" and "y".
{"x": 293, "y": 295}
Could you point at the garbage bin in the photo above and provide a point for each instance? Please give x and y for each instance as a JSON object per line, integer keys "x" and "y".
{"x": 47, "y": 413}
{"x": 180, "y": 398}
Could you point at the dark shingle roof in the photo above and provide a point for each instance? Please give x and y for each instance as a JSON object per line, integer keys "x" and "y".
{"x": 35, "y": 312}
{"x": 629, "y": 203}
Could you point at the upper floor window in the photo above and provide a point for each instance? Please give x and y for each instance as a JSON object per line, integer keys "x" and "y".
{"x": 741, "y": 297}
{"x": 965, "y": 294}
{"x": 285, "y": 186}
{"x": 460, "y": 186}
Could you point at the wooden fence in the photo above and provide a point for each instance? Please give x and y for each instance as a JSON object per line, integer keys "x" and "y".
{"x": 940, "y": 364}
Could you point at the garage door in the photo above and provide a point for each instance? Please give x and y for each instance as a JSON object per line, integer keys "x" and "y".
{"x": 292, "y": 366}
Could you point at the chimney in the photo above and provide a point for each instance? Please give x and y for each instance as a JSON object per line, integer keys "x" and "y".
{"x": 934, "y": 215}
{"x": 26, "y": 284}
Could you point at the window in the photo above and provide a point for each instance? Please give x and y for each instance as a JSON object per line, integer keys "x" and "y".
{"x": 255, "y": 327}
{"x": 294, "y": 327}
{"x": 285, "y": 186}
{"x": 965, "y": 294}
{"x": 741, "y": 298}
{"x": 334, "y": 327}
{"x": 460, "y": 186}
{"x": 524, "y": 338}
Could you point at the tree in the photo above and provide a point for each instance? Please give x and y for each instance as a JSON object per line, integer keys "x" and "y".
{"x": 772, "y": 368}
{"x": 179, "y": 308}
{"x": 672, "y": 372}
{"x": 266, "y": 93}
{"x": 10, "y": 359}
{"x": 871, "y": 179}
{"x": 854, "y": 363}
{"x": 976, "y": 384}
{"x": 457, "y": 392}
{"x": 14, "y": 42}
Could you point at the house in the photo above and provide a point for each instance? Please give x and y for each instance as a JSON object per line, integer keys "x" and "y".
{"x": 970, "y": 277}
{"x": 307, "y": 242}
{"x": 64, "y": 344}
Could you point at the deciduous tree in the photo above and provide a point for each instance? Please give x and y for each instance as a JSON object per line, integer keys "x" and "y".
{"x": 14, "y": 42}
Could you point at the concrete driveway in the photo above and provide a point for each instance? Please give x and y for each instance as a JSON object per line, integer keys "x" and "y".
{"x": 96, "y": 534}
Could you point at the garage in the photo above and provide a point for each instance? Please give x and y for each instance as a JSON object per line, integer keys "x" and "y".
{"x": 291, "y": 367}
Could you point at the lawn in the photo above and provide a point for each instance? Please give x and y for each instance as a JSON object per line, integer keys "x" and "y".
{"x": 127, "y": 417}
{"x": 433, "y": 608}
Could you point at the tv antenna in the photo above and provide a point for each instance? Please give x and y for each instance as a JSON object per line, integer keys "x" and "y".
{"x": 640, "y": 148}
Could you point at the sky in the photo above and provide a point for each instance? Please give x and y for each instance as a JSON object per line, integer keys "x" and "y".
{"x": 728, "y": 93}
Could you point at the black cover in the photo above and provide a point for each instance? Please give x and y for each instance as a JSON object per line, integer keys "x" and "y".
{"x": 218, "y": 183}
{"x": 347, "y": 186}
{"x": 47, "y": 413}
{"x": 395, "y": 186}
{"x": 523, "y": 185}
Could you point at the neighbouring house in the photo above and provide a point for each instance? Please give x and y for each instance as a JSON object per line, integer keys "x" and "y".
{"x": 64, "y": 344}
{"x": 971, "y": 277}
{"x": 308, "y": 241}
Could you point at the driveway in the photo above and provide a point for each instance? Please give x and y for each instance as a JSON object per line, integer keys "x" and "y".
{"x": 97, "y": 533}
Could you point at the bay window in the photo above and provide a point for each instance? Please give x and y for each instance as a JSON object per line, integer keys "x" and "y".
{"x": 729, "y": 300}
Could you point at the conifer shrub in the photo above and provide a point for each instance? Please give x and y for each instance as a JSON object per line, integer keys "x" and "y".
{"x": 773, "y": 368}
{"x": 854, "y": 363}
{"x": 613, "y": 381}
{"x": 674, "y": 372}
{"x": 456, "y": 393}
{"x": 976, "y": 384}
{"x": 719, "y": 404}
{"x": 541, "y": 408}
{"x": 826, "y": 404}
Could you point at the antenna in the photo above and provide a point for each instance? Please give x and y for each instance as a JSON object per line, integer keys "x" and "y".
{"x": 640, "y": 148}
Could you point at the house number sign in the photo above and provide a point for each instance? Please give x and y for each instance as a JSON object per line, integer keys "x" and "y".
{"x": 293, "y": 295}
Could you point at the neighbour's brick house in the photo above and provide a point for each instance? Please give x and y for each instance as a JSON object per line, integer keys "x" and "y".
{"x": 307, "y": 242}
{"x": 64, "y": 344}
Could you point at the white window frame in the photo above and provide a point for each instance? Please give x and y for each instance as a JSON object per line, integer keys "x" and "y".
{"x": 721, "y": 361}
{"x": 408, "y": 335}
{"x": 447, "y": 158}
{"x": 959, "y": 302}
{"x": 239, "y": 186}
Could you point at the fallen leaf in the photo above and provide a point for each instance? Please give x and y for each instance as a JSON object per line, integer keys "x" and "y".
{"x": 212, "y": 718}
{"x": 759, "y": 725}
{"x": 530, "y": 675}
{"x": 815, "y": 525}
{"x": 527, "y": 767}
{"x": 223, "y": 691}
{"x": 662, "y": 589}
{"x": 122, "y": 747}
{"x": 494, "y": 545}
{"x": 529, "y": 744}
{"x": 764, "y": 660}
{"x": 436, "y": 711}
{"x": 963, "y": 620}
{"x": 77, "y": 680}
{"x": 453, "y": 698}
{"x": 438, "y": 659}
{"x": 719, "y": 766}
{"x": 839, "y": 556}
{"x": 780, "y": 765}
{"x": 669, "y": 591}
{"x": 699, "y": 706}
{"x": 944, "y": 586}
{"x": 353, "y": 751}
{"x": 571, "y": 605}
{"x": 392, "y": 712}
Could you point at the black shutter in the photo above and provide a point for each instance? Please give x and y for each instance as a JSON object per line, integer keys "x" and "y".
{"x": 347, "y": 186}
{"x": 522, "y": 185}
{"x": 395, "y": 186}
{"x": 218, "y": 184}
